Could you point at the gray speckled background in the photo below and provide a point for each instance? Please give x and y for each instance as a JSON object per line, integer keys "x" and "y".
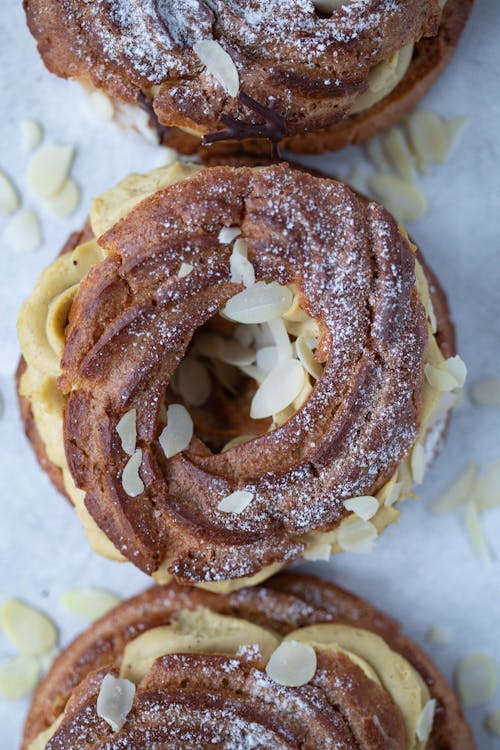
{"x": 423, "y": 571}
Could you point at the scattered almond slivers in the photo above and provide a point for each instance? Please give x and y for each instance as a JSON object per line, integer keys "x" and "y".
{"x": 127, "y": 431}
{"x": 115, "y": 701}
{"x": 228, "y": 234}
{"x": 48, "y": 170}
{"x": 319, "y": 551}
{"x": 236, "y": 502}
{"x": 31, "y": 632}
{"x": 460, "y": 491}
{"x": 475, "y": 531}
{"x": 292, "y": 664}
{"x": 65, "y": 201}
{"x": 19, "y": 676}
{"x": 405, "y": 201}
{"x": 438, "y": 635}
{"x": 23, "y": 232}
{"x": 219, "y": 64}
{"x": 193, "y": 381}
{"x": 364, "y": 507}
{"x": 279, "y": 389}
{"x": 259, "y": 303}
{"x": 179, "y": 430}
{"x": 242, "y": 271}
{"x": 477, "y": 676}
{"x": 31, "y": 134}
{"x": 487, "y": 490}
{"x": 131, "y": 481}
{"x": 356, "y": 535}
{"x": 426, "y": 720}
{"x": 486, "y": 392}
{"x": 399, "y": 154}
{"x": 89, "y": 603}
{"x": 9, "y": 198}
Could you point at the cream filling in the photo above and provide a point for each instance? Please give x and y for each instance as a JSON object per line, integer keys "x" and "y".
{"x": 204, "y": 631}
{"x": 41, "y": 325}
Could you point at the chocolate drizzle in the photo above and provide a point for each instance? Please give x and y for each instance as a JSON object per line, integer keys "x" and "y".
{"x": 273, "y": 128}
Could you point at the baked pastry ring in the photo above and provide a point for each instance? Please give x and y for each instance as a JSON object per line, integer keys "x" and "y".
{"x": 246, "y": 492}
{"x": 198, "y": 662}
{"x": 312, "y": 78}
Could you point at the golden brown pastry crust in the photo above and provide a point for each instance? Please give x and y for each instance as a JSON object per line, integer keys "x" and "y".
{"x": 202, "y": 545}
{"x": 193, "y": 681}
{"x": 322, "y": 65}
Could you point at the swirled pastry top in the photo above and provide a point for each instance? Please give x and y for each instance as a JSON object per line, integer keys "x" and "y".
{"x": 198, "y": 662}
{"x": 130, "y": 325}
{"x": 311, "y": 68}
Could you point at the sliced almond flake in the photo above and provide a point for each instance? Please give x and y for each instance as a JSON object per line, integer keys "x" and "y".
{"x": 239, "y": 440}
{"x": 242, "y": 271}
{"x": 492, "y": 722}
{"x": 292, "y": 664}
{"x": 65, "y": 201}
{"x": 486, "y": 392}
{"x": 459, "y": 492}
{"x": 48, "y": 170}
{"x": 89, "y": 603}
{"x": 261, "y": 334}
{"x": 267, "y": 358}
{"x": 236, "y": 502}
{"x": 393, "y": 494}
{"x": 432, "y": 317}
{"x": 306, "y": 357}
{"x": 19, "y": 676}
{"x": 487, "y": 490}
{"x": 101, "y": 105}
{"x": 456, "y": 367}
{"x": 454, "y": 129}
{"x": 208, "y": 344}
{"x": 31, "y": 134}
{"x": 184, "y": 270}
{"x": 428, "y": 138}
{"x": 399, "y": 154}
{"x": 364, "y": 507}
{"x": 356, "y": 535}
{"x": 23, "y": 233}
{"x": 477, "y": 676}
{"x": 259, "y": 303}
{"x": 280, "y": 338}
{"x": 418, "y": 463}
{"x": 243, "y": 334}
{"x": 9, "y": 198}
{"x": 374, "y": 149}
{"x": 31, "y": 632}
{"x": 127, "y": 431}
{"x": 426, "y": 720}
{"x": 404, "y": 200}
{"x": 115, "y": 701}
{"x": 440, "y": 379}
{"x": 438, "y": 636}
{"x": 233, "y": 353}
{"x": 179, "y": 430}
{"x": 228, "y": 234}
{"x": 131, "y": 481}
{"x": 193, "y": 381}
{"x": 219, "y": 64}
{"x": 475, "y": 531}
{"x": 254, "y": 372}
{"x": 321, "y": 551}
{"x": 295, "y": 313}
{"x": 279, "y": 389}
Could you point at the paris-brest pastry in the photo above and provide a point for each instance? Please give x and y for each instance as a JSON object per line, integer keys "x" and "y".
{"x": 232, "y": 368}
{"x": 297, "y": 663}
{"x": 308, "y": 76}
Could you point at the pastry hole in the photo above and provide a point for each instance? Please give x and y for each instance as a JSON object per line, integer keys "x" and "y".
{"x": 241, "y": 380}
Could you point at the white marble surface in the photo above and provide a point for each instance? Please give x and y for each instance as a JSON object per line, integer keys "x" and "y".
{"x": 423, "y": 571}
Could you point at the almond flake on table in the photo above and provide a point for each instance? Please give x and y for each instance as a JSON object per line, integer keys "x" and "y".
{"x": 23, "y": 233}
{"x": 475, "y": 532}
{"x": 459, "y": 492}
{"x": 19, "y": 676}
{"x": 404, "y": 200}
{"x": 48, "y": 170}
{"x": 477, "y": 677}
{"x": 65, "y": 201}
{"x": 236, "y": 502}
{"x": 219, "y": 64}
{"x": 9, "y": 198}
{"x": 31, "y": 632}
{"x": 487, "y": 490}
{"x": 31, "y": 134}
{"x": 89, "y": 603}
